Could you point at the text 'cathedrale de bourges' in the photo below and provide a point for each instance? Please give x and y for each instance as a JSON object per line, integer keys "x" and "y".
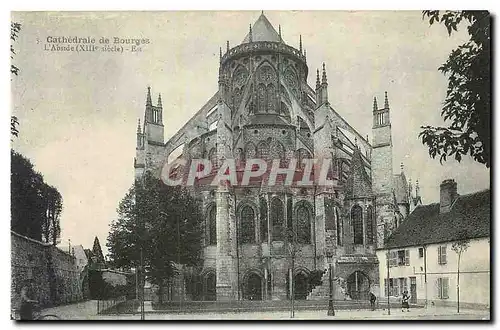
{"x": 91, "y": 44}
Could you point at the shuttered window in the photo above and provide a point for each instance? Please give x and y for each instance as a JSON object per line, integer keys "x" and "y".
{"x": 442, "y": 255}
{"x": 443, "y": 286}
{"x": 407, "y": 257}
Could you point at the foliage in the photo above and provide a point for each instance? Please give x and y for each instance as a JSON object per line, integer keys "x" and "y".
{"x": 163, "y": 221}
{"x": 35, "y": 205}
{"x": 461, "y": 245}
{"x": 468, "y": 98}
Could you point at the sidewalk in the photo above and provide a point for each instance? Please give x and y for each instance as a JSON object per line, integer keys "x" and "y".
{"x": 442, "y": 313}
{"x": 85, "y": 310}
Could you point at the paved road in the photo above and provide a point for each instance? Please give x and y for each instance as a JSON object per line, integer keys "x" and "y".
{"x": 88, "y": 311}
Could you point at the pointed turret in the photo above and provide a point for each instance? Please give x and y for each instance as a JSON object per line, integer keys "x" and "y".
{"x": 250, "y": 39}
{"x": 375, "y": 106}
{"x": 417, "y": 190}
{"x": 402, "y": 167}
{"x": 139, "y": 135}
{"x": 159, "y": 101}
{"x": 139, "y": 126}
{"x": 148, "y": 97}
{"x": 279, "y": 33}
{"x": 386, "y": 102}
{"x": 323, "y": 78}
{"x": 318, "y": 83}
{"x": 227, "y": 45}
{"x": 300, "y": 43}
{"x": 220, "y": 54}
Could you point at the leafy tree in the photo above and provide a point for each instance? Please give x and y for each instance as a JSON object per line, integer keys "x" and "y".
{"x": 35, "y": 206}
{"x": 459, "y": 247}
{"x": 467, "y": 103}
{"x": 164, "y": 223}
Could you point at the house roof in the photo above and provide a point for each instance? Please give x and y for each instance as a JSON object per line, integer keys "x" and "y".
{"x": 262, "y": 30}
{"x": 468, "y": 218}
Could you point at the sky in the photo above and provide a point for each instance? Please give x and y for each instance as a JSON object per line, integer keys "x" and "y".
{"x": 78, "y": 111}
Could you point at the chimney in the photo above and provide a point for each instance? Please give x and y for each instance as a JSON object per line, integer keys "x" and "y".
{"x": 448, "y": 195}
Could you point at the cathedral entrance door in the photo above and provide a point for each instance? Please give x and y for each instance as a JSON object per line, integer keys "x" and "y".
{"x": 301, "y": 286}
{"x": 253, "y": 290}
{"x": 358, "y": 286}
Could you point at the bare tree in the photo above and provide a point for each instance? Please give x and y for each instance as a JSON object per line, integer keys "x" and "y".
{"x": 460, "y": 247}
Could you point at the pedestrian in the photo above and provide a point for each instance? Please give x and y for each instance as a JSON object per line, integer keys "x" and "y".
{"x": 373, "y": 298}
{"x": 404, "y": 301}
{"x": 26, "y": 303}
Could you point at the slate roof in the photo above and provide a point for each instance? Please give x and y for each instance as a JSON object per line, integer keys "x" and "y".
{"x": 262, "y": 30}
{"x": 469, "y": 216}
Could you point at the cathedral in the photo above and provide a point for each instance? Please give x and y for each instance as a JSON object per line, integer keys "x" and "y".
{"x": 260, "y": 238}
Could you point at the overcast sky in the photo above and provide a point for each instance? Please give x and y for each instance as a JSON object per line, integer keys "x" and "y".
{"x": 78, "y": 111}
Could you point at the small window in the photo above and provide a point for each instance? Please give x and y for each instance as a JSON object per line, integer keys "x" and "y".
{"x": 442, "y": 255}
{"x": 420, "y": 252}
{"x": 403, "y": 257}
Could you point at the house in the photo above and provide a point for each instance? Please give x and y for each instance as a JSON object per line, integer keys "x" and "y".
{"x": 421, "y": 254}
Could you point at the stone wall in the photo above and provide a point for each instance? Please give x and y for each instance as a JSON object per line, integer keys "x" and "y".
{"x": 52, "y": 272}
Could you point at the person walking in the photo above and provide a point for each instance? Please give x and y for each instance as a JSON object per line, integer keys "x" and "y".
{"x": 26, "y": 303}
{"x": 373, "y": 299}
{"x": 405, "y": 301}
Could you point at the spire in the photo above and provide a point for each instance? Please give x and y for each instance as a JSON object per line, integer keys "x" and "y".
{"x": 159, "y": 101}
{"x": 417, "y": 189}
{"x": 220, "y": 54}
{"x": 139, "y": 126}
{"x": 305, "y": 55}
{"x": 375, "y": 106}
{"x": 148, "y": 97}
{"x": 323, "y": 78}
{"x": 300, "y": 43}
{"x": 279, "y": 31}
{"x": 250, "y": 34}
{"x": 386, "y": 102}
{"x": 402, "y": 167}
{"x": 227, "y": 46}
{"x": 317, "y": 80}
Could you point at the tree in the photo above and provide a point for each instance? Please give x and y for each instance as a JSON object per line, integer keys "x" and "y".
{"x": 163, "y": 222}
{"x": 15, "y": 28}
{"x": 460, "y": 247}
{"x": 467, "y": 103}
{"x": 35, "y": 206}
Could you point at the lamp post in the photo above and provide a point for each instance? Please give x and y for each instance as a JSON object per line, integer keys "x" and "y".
{"x": 331, "y": 310}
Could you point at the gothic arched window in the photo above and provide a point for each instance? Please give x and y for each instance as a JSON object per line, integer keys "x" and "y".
{"x": 261, "y": 98}
{"x": 277, "y": 217}
{"x": 369, "y": 225}
{"x": 263, "y": 219}
{"x": 303, "y": 230}
{"x": 357, "y": 224}
{"x": 263, "y": 150}
{"x": 247, "y": 227}
{"x": 271, "y": 98}
{"x": 249, "y": 150}
{"x": 212, "y": 226}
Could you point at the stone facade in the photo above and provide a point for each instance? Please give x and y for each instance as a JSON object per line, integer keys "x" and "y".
{"x": 53, "y": 273}
{"x": 254, "y": 235}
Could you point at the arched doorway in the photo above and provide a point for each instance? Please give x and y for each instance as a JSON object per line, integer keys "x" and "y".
{"x": 210, "y": 286}
{"x": 301, "y": 286}
{"x": 358, "y": 286}
{"x": 253, "y": 287}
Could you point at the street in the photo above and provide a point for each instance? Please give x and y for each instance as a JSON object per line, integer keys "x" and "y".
{"x": 88, "y": 311}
